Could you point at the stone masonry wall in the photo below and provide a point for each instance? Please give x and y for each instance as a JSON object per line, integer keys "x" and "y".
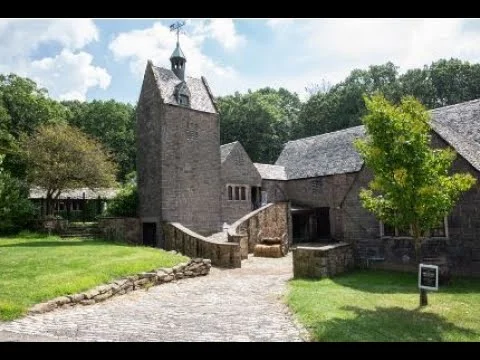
{"x": 191, "y": 169}
{"x": 237, "y": 170}
{"x": 319, "y": 262}
{"x": 272, "y": 220}
{"x": 128, "y": 230}
{"x": 189, "y": 243}
{"x": 195, "y": 267}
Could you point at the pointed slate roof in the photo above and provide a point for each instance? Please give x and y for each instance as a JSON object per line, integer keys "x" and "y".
{"x": 226, "y": 149}
{"x": 334, "y": 153}
{"x": 459, "y": 125}
{"x": 200, "y": 97}
{"x": 271, "y": 172}
{"x": 178, "y": 52}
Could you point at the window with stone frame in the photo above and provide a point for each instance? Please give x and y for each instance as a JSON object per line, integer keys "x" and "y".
{"x": 243, "y": 193}
{"x": 237, "y": 193}
{"x": 230, "y": 193}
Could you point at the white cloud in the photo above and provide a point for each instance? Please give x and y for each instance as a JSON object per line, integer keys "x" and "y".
{"x": 157, "y": 44}
{"x": 223, "y": 30}
{"x": 330, "y": 48}
{"x": 68, "y": 74}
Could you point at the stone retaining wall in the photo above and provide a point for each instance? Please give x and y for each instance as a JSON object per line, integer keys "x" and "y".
{"x": 122, "y": 229}
{"x": 187, "y": 242}
{"x": 325, "y": 261}
{"x": 194, "y": 267}
{"x": 270, "y": 220}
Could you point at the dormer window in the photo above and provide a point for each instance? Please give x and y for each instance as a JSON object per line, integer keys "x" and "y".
{"x": 183, "y": 99}
{"x": 182, "y": 94}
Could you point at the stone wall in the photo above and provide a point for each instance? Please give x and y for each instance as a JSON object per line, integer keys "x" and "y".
{"x": 237, "y": 170}
{"x": 222, "y": 254}
{"x": 178, "y": 163}
{"x": 327, "y": 191}
{"x": 128, "y": 230}
{"x": 54, "y": 226}
{"x": 191, "y": 169}
{"x": 194, "y": 267}
{"x": 325, "y": 261}
{"x": 270, "y": 220}
{"x": 276, "y": 190}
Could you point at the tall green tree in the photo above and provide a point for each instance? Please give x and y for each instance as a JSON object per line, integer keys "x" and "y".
{"x": 16, "y": 210}
{"x": 413, "y": 186}
{"x": 23, "y": 107}
{"x": 61, "y": 157}
{"x": 260, "y": 120}
{"x": 112, "y": 123}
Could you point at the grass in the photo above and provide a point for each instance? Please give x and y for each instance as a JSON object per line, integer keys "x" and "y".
{"x": 383, "y": 306}
{"x": 35, "y": 268}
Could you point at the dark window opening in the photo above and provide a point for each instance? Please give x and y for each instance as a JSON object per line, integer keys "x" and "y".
{"x": 149, "y": 234}
{"x": 237, "y": 193}
{"x": 243, "y": 195}
{"x": 439, "y": 231}
{"x": 230, "y": 193}
{"x": 388, "y": 230}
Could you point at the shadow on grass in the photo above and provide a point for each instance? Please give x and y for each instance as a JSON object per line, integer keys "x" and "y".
{"x": 390, "y": 282}
{"x": 391, "y": 324}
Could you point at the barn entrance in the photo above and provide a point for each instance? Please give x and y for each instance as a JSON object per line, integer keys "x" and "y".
{"x": 149, "y": 234}
{"x": 311, "y": 225}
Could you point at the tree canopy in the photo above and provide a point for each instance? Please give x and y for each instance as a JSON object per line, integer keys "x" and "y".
{"x": 112, "y": 123}
{"x": 60, "y": 157}
{"x": 413, "y": 184}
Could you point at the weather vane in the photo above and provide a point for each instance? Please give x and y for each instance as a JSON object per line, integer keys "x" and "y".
{"x": 176, "y": 26}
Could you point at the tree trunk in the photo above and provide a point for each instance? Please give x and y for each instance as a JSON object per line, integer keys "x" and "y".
{"x": 418, "y": 248}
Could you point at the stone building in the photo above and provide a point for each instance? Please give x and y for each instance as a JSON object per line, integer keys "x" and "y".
{"x": 178, "y": 151}
{"x": 322, "y": 175}
{"x": 241, "y": 182}
{"x": 185, "y": 176}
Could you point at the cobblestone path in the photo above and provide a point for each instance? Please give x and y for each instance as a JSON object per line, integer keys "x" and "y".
{"x": 226, "y": 305}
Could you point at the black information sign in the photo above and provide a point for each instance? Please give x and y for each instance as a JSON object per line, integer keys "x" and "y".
{"x": 428, "y": 277}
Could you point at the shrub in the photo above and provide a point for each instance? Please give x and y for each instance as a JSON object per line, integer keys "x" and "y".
{"x": 125, "y": 203}
{"x": 16, "y": 210}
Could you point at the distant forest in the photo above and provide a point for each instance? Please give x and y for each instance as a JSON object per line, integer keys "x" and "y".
{"x": 262, "y": 120}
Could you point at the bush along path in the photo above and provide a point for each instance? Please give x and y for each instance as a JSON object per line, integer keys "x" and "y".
{"x": 195, "y": 267}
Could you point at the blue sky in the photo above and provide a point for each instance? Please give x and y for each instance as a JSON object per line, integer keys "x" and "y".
{"x": 89, "y": 59}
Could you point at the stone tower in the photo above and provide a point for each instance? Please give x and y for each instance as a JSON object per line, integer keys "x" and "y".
{"x": 178, "y": 151}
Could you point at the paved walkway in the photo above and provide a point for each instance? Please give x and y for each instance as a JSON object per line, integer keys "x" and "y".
{"x": 227, "y": 305}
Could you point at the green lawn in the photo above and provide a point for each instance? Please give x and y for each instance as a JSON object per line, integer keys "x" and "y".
{"x": 383, "y": 306}
{"x": 35, "y": 268}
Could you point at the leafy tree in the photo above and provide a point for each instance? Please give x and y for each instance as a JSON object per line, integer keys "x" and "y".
{"x": 16, "y": 211}
{"x": 260, "y": 120}
{"x": 125, "y": 202}
{"x": 112, "y": 123}
{"x": 412, "y": 184}
{"x": 23, "y": 107}
{"x": 61, "y": 157}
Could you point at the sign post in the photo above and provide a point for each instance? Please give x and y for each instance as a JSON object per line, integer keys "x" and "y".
{"x": 427, "y": 280}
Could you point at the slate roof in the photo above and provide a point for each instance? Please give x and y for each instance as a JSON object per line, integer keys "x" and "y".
{"x": 200, "y": 98}
{"x": 225, "y": 150}
{"x": 459, "y": 125}
{"x": 104, "y": 193}
{"x": 334, "y": 153}
{"x": 321, "y": 155}
{"x": 178, "y": 52}
{"x": 271, "y": 172}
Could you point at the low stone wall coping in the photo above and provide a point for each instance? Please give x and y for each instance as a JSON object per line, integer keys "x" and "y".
{"x": 232, "y": 230}
{"x": 198, "y": 236}
{"x": 195, "y": 267}
{"x": 323, "y": 248}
